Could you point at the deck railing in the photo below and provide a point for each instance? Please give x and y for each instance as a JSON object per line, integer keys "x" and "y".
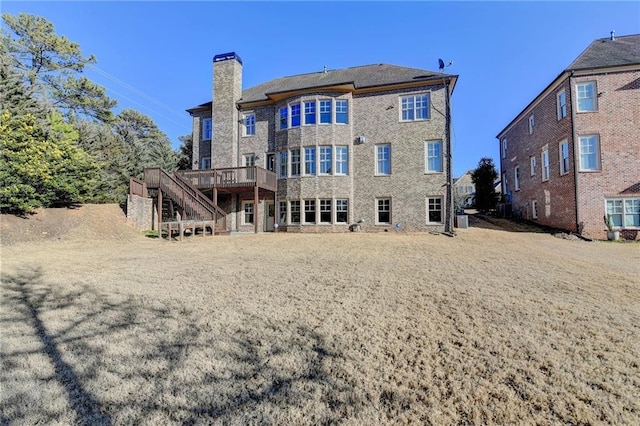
{"x": 137, "y": 187}
{"x": 195, "y": 205}
{"x": 231, "y": 177}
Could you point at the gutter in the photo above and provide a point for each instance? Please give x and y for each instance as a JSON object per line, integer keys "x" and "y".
{"x": 576, "y": 154}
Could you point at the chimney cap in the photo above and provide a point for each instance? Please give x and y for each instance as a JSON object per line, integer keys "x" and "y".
{"x": 226, "y": 57}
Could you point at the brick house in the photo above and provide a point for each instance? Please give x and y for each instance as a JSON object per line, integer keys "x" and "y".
{"x": 572, "y": 155}
{"x": 363, "y": 148}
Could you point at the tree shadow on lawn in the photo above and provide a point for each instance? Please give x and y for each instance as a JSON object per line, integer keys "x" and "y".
{"x": 118, "y": 359}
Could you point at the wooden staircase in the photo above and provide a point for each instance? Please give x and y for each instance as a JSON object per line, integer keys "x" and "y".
{"x": 182, "y": 205}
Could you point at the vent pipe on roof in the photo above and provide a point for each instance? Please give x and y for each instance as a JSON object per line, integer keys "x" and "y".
{"x": 613, "y": 35}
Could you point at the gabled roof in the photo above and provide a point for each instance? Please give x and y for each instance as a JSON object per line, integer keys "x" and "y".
{"x": 347, "y": 79}
{"x": 367, "y": 76}
{"x": 607, "y": 52}
{"x": 603, "y": 53}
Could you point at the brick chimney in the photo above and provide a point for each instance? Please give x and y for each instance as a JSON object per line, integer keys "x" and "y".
{"x": 227, "y": 91}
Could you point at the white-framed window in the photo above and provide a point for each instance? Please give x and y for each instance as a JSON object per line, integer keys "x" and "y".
{"x": 248, "y": 160}
{"x": 383, "y": 211}
{"x": 295, "y": 162}
{"x": 586, "y": 95}
{"x": 531, "y": 124}
{"x": 206, "y": 129}
{"x": 342, "y": 111}
{"x": 532, "y": 165}
{"x": 325, "y": 160}
{"x": 504, "y": 147}
{"x": 624, "y": 212}
{"x": 295, "y": 115}
{"x": 310, "y": 112}
{"x": 282, "y": 164}
{"x": 325, "y": 111}
{"x": 309, "y": 211}
{"x": 383, "y": 160}
{"x": 284, "y": 117}
{"x": 561, "y": 104}
{"x": 534, "y": 209}
{"x": 434, "y": 210}
{"x": 516, "y": 178}
{"x": 505, "y": 186}
{"x": 469, "y": 189}
{"x": 247, "y": 208}
{"x": 342, "y": 160}
{"x": 564, "y": 157}
{"x": 433, "y": 161}
{"x": 294, "y": 208}
{"x": 342, "y": 210}
{"x": 249, "y": 124}
{"x": 282, "y": 212}
{"x": 545, "y": 165}
{"x": 310, "y": 160}
{"x": 205, "y": 163}
{"x": 326, "y": 212}
{"x": 589, "y": 152}
{"x": 414, "y": 107}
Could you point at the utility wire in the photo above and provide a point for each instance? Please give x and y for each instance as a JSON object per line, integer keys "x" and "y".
{"x": 134, "y": 89}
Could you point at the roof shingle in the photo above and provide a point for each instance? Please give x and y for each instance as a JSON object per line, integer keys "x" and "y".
{"x": 604, "y": 52}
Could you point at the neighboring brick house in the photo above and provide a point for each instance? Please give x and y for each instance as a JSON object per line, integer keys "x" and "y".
{"x": 573, "y": 154}
{"x": 366, "y": 145}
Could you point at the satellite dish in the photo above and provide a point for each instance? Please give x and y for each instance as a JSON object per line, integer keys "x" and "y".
{"x": 441, "y": 64}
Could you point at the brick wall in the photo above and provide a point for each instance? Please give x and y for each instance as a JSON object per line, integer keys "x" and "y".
{"x": 555, "y": 197}
{"x": 617, "y": 122}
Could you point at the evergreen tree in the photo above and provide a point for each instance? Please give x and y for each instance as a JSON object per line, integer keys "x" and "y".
{"x": 185, "y": 153}
{"x": 50, "y": 65}
{"x": 483, "y": 177}
{"x": 40, "y": 163}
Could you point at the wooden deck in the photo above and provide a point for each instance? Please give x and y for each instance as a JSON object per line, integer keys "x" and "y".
{"x": 233, "y": 179}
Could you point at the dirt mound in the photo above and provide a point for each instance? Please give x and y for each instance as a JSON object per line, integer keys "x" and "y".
{"x": 89, "y": 221}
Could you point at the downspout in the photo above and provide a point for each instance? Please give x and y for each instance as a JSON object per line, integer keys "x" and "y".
{"x": 576, "y": 155}
{"x": 449, "y": 224}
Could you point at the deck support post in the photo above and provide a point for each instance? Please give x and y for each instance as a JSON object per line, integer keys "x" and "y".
{"x": 255, "y": 208}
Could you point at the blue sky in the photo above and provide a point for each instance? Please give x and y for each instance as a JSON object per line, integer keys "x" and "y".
{"x": 156, "y": 57}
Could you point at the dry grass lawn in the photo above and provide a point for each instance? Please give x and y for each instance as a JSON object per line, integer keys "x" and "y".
{"x": 490, "y": 327}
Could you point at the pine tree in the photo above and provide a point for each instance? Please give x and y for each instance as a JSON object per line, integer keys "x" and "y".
{"x": 483, "y": 177}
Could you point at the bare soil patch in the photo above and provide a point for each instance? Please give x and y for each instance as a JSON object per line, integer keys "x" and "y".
{"x": 490, "y": 327}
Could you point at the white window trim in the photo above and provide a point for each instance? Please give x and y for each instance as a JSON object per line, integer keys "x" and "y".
{"x": 245, "y": 127}
{"x": 336, "y": 210}
{"x": 290, "y": 212}
{"x": 561, "y": 158}
{"x": 413, "y": 95}
{"x": 597, "y": 154}
{"x": 303, "y": 211}
{"x": 331, "y": 211}
{"x": 595, "y": 97}
{"x": 532, "y": 124}
{"x": 546, "y": 167}
{"x": 533, "y": 164}
{"x": 377, "y": 160}
{"x": 243, "y": 219}
{"x": 624, "y": 201}
{"x": 426, "y": 157}
{"x": 377, "y": 211}
{"x": 441, "y": 210}
{"x": 503, "y": 145}
{"x": 335, "y": 160}
{"x": 516, "y": 177}
{"x": 559, "y": 115}
{"x": 319, "y": 171}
